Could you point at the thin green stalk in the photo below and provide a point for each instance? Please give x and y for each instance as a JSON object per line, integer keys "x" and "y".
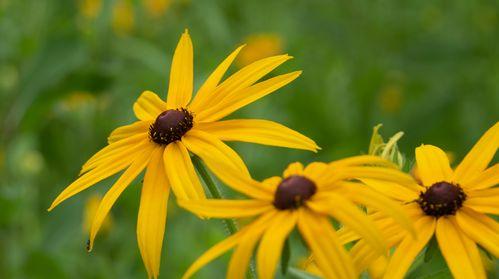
{"x": 216, "y": 193}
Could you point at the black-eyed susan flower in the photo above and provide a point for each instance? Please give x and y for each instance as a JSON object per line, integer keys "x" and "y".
{"x": 450, "y": 205}
{"x": 166, "y": 131}
{"x": 260, "y": 46}
{"x": 304, "y": 198}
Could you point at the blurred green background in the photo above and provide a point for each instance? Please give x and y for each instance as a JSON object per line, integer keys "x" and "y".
{"x": 71, "y": 70}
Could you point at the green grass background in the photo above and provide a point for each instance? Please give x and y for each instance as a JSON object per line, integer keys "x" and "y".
{"x": 442, "y": 58}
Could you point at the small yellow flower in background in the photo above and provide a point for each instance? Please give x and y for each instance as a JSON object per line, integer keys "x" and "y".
{"x": 260, "y": 46}
{"x": 165, "y": 133}
{"x": 90, "y": 8}
{"x": 91, "y": 206}
{"x": 123, "y": 17}
{"x": 156, "y": 8}
{"x": 390, "y": 99}
{"x": 76, "y": 100}
{"x": 452, "y": 205}
{"x": 305, "y": 197}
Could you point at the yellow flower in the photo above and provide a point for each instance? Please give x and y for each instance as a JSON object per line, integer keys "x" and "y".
{"x": 304, "y": 197}
{"x": 391, "y": 99}
{"x": 91, "y": 206}
{"x": 90, "y": 8}
{"x": 123, "y": 18}
{"x": 156, "y": 8}
{"x": 258, "y": 47}
{"x": 161, "y": 139}
{"x": 451, "y": 204}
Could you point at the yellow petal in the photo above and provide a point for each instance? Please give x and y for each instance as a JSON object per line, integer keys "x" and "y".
{"x": 392, "y": 190}
{"x": 433, "y": 165}
{"x": 272, "y": 182}
{"x": 269, "y": 251}
{"x": 115, "y": 191}
{"x": 362, "y": 160}
{"x": 485, "y": 201}
{"x": 244, "y": 78}
{"x": 486, "y": 179}
{"x": 92, "y": 177}
{"x": 241, "y": 257}
{"x": 148, "y": 106}
{"x": 480, "y": 228}
{"x": 180, "y": 172}
{"x": 365, "y": 196}
{"x": 119, "y": 147}
{"x": 331, "y": 258}
{"x": 479, "y": 157}
{"x": 409, "y": 248}
{"x": 226, "y": 208}
{"x": 316, "y": 171}
{"x": 216, "y": 154}
{"x": 124, "y": 132}
{"x": 181, "y": 74}
{"x": 459, "y": 251}
{"x": 114, "y": 154}
{"x": 295, "y": 168}
{"x": 256, "y": 226}
{"x": 205, "y": 93}
{"x": 349, "y": 215}
{"x": 245, "y": 96}
{"x": 152, "y": 213}
{"x": 258, "y": 131}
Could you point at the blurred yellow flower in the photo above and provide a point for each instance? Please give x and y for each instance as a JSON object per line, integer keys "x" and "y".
{"x": 167, "y": 130}
{"x": 76, "y": 100}
{"x": 259, "y": 46}
{"x": 390, "y": 99}
{"x": 123, "y": 17}
{"x": 91, "y": 206}
{"x": 451, "y": 205}
{"x": 305, "y": 197}
{"x": 156, "y": 8}
{"x": 90, "y": 8}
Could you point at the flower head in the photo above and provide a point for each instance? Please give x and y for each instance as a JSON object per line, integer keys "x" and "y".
{"x": 305, "y": 198}
{"x": 451, "y": 205}
{"x": 160, "y": 142}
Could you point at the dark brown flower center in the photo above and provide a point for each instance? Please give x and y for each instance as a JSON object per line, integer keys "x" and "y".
{"x": 170, "y": 126}
{"x": 293, "y": 191}
{"x": 442, "y": 198}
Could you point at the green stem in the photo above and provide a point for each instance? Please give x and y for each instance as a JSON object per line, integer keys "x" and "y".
{"x": 216, "y": 193}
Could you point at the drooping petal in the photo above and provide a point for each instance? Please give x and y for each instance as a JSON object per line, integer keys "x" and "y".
{"x": 459, "y": 251}
{"x": 94, "y": 176}
{"x": 115, "y": 191}
{"x": 205, "y": 93}
{"x": 392, "y": 190}
{"x": 295, "y": 168}
{"x": 243, "y": 79}
{"x": 365, "y": 196}
{"x": 486, "y": 179}
{"x": 269, "y": 251}
{"x": 433, "y": 165}
{"x": 350, "y": 215}
{"x": 181, "y": 74}
{"x": 362, "y": 160}
{"x": 148, "y": 106}
{"x": 216, "y": 154}
{"x": 479, "y": 157}
{"x": 485, "y": 201}
{"x": 241, "y": 257}
{"x": 180, "y": 172}
{"x": 480, "y": 228}
{"x": 409, "y": 248}
{"x": 245, "y": 96}
{"x": 379, "y": 173}
{"x": 256, "y": 226}
{"x": 258, "y": 131}
{"x": 123, "y": 132}
{"x": 330, "y": 256}
{"x": 227, "y": 208}
{"x": 152, "y": 213}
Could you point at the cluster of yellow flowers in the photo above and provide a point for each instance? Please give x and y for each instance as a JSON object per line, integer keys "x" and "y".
{"x": 387, "y": 215}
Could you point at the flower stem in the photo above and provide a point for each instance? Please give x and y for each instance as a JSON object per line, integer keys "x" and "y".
{"x": 216, "y": 193}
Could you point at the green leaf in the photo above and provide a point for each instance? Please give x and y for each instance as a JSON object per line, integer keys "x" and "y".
{"x": 431, "y": 250}
{"x": 300, "y": 274}
{"x": 285, "y": 256}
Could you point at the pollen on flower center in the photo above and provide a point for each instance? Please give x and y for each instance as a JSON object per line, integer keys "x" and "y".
{"x": 170, "y": 126}
{"x": 441, "y": 198}
{"x": 293, "y": 191}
